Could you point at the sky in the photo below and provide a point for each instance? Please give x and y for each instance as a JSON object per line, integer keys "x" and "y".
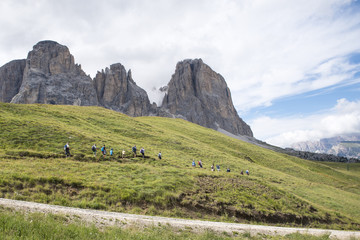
{"x": 293, "y": 67}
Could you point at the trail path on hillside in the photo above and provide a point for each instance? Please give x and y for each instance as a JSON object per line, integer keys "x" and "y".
{"x": 103, "y": 218}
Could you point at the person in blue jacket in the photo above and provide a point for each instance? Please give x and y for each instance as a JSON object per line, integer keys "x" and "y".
{"x": 103, "y": 150}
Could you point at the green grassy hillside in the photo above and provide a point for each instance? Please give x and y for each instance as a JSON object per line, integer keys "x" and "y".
{"x": 281, "y": 189}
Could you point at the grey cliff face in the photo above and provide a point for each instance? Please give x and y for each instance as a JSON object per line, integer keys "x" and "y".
{"x": 200, "y": 95}
{"x": 52, "y": 77}
{"x": 117, "y": 90}
{"x": 11, "y": 76}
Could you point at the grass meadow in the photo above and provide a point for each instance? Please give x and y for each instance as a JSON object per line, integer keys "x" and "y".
{"x": 280, "y": 190}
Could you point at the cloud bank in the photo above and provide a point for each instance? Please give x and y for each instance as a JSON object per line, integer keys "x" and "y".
{"x": 343, "y": 118}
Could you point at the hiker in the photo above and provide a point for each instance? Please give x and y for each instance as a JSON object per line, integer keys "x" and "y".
{"x": 159, "y": 155}
{"x": 200, "y": 164}
{"x": 193, "y": 163}
{"x": 67, "y": 150}
{"x": 212, "y": 167}
{"x": 123, "y": 154}
{"x": 247, "y": 172}
{"x": 111, "y": 152}
{"x": 142, "y": 151}
{"x": 242, "y": 172}
{"x": 228, "y": 169}
{"x": 93, "y": 148}
{"x": 134, "y": 150}
{"x": 218, "y": 167}
{"x": 103, "y": 150}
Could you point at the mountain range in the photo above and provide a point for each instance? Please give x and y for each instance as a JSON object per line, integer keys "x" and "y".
{"x": 344, "y": 145}
{"x": 49, "y": 75}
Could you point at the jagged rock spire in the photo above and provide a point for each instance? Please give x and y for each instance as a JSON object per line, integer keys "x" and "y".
{"x": 201, "y": 96}
{"x": 117, "y": 90}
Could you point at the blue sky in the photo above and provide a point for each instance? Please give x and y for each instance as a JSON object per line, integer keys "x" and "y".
{"x": 313, "y": 101}
{"x": 292, "y": 66}
{"x": 303, "y": 116}
{"x": 311, "y": 115}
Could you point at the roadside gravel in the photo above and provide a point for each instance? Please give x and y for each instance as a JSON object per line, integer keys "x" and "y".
{"x": 103, "y": 218}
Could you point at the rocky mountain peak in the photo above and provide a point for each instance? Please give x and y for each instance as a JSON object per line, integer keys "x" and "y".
{"x": 51, "y": 76}
{"x": 200, "y": 95}
{"x": 117, "y": 90}
{"x": 52, "y": 58}
{"x": 192, "y": 62}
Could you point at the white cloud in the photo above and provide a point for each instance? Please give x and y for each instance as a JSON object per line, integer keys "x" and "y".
{"x": 343, "y": 118}
{"x": 264, "y": 49}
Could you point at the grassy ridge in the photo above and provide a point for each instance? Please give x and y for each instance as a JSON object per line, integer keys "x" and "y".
{"x": 280, "y": 189}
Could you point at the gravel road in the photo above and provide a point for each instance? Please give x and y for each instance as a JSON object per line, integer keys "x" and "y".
{"x": 103, "y": 218}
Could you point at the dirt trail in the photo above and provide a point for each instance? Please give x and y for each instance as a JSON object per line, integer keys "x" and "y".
{"x": 103, "y": 218}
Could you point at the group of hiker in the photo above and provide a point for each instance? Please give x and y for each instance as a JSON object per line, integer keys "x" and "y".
{"x": 217, "y": 167}
{"x": 104, "y": 152}
{"x": 142, "y": 151}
